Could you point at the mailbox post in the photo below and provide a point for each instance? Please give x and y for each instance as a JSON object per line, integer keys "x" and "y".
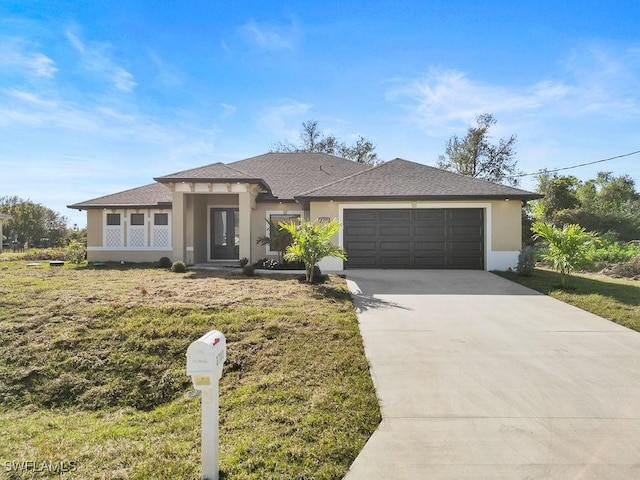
{"x": 205, "y": 358}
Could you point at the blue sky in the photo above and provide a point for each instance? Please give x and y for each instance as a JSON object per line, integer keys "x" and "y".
{"x": 101, "y": 96}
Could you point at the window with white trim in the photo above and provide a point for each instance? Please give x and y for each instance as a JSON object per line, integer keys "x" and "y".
{"x": 277, "y": 217}
{"x": 113, "y": 235}
{"x": 136, "y": 231}
{"x": 161, "y": 231}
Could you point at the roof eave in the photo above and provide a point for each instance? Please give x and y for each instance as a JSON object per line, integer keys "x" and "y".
{"x": 80, "y": 206}
{"x": 310, "y": 198}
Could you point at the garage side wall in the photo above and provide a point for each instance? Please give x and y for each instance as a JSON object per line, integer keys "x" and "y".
{"x": 506, "y": 234}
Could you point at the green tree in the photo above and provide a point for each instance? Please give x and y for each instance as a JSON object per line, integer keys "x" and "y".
{"x": 32, "y": 222}
{"x": 311, "y": 242}
{"x": 566, "y": 247}
{"x": 475, "y": 156}
{"x": 312, "y": 139}
{"x": 605, "y": 204}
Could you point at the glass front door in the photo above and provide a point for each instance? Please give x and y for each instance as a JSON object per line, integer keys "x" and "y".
{"x": 225, "y": 233}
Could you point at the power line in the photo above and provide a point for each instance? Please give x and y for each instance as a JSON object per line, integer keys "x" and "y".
{"x": 576, "y": 166}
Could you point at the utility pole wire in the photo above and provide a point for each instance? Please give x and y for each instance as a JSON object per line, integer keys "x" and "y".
{"x": 539, "y": 172}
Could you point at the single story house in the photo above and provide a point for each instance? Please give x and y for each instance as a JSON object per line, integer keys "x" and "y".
{"x": 3, "y": 217}
{"x": 399, "y": 214}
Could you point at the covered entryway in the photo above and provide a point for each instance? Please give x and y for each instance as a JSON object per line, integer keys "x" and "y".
{"x": 444, "y": 238}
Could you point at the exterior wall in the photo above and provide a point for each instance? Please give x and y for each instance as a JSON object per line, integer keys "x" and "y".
{"x": 94, "y": 227}
{"x": 502, "y": 227}
{"x": 200, "y": 229}
{"x": 131, "y": 243}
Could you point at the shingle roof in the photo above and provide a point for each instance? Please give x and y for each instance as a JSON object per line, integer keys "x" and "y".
{"x": 307, "y": 176}
{"x": 289, "y": 174}
{"x": 401, "y": 178}
{"x": 210, "y": 173}
{"x": 147, "y": 196}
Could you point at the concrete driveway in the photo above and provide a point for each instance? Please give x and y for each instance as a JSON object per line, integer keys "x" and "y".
{"x": 480, "y": 378}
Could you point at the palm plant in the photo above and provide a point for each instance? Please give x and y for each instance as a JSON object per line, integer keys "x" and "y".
{"x": 566, "y": 249}
{"x": 311, "y": 242}
{"x": 278, "y": 239}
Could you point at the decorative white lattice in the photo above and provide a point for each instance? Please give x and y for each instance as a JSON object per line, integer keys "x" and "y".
{"x": 113, "y": 237}
{"x": 160, "y": 237}
{"x": 136, "y": 237}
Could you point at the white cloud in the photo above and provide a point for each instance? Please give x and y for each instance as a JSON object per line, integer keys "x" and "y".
{"x": 445, "y": 99}
{"x": 96, "y": 58}
{"x": 16, "y": 55}
{"x": 283, "y": 120}
{"x": 271, "y": 37}
{"x": 598, "y": 82}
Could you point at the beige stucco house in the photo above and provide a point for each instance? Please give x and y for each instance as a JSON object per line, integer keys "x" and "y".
{"x": 399, "y": 214}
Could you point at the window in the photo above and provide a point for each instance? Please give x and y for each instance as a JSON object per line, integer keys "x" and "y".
{"x": 137, "y": 219}
{"x": 161, "y": 219}
{"x": 280, "y": 239}
{"x": 113, "y": 219}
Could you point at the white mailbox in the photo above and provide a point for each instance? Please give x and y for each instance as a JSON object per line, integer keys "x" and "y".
{"x": 205, "y": 359}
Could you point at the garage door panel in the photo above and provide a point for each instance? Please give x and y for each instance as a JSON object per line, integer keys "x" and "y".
{"x": 430, "y": 246}
{"x": 360, "y": 231}
{"x": 430, "y": 261}
{"x": 394, "y": 261}
{"x": 395, "y": 230}
{"x": 369, "y": 246}
{"x": 403, "y": 247}
{"x": 465, "y": 230}
{"x": 430, "y": 231}
{"x": 414, "y": 238}
{"x": 360, "y": 216}
{"x": 465, "y": 214}
{"x": 392, "y": 215}
{"x": 471, "y": 247}
{"x": 430, "y": 214}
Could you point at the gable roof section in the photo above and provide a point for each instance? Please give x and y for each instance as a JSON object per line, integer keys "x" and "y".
{"x": 153, "y": 195}
{"x": 289, "y": 174}
{"x": 400, "y": 178}
{"x": 216, "y": 172}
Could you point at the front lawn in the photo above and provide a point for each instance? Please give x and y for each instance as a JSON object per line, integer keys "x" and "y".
{"x": 615, "y": 299}
{"x": 92, "y": 371}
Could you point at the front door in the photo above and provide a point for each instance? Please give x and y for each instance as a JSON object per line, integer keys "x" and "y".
{"x": 225, "y": 235}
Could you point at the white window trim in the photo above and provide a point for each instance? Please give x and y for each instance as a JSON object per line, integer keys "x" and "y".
{"x": 110, "y": 228}
{"x": 144, "y": 228}
{"x": 300, "y": 213}
{"x": 155, "y": 228}
{"x": 125, "y": 227}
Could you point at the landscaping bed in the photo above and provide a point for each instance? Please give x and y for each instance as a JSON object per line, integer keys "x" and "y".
{"x": 93, "y": 372}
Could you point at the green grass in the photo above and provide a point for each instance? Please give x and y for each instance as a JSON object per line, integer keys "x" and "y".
{"x": 615, "y": 299}
{"x": 93, "y": 371}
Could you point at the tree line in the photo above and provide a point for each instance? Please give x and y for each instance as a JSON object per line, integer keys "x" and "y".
{"x": 34, "y": 225}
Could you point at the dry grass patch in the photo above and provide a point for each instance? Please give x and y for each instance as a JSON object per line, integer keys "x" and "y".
{"x": 93, "y": 371}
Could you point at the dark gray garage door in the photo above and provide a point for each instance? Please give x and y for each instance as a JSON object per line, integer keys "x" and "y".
{"x": 414, "y": 238}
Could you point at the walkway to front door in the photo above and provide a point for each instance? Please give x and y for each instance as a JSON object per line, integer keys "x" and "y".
{"x": 225, "y": 235}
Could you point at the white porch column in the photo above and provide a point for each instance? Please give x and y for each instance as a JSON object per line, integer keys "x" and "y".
{"x": 178, "y": 227}
{"x": 244, "y": 210}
